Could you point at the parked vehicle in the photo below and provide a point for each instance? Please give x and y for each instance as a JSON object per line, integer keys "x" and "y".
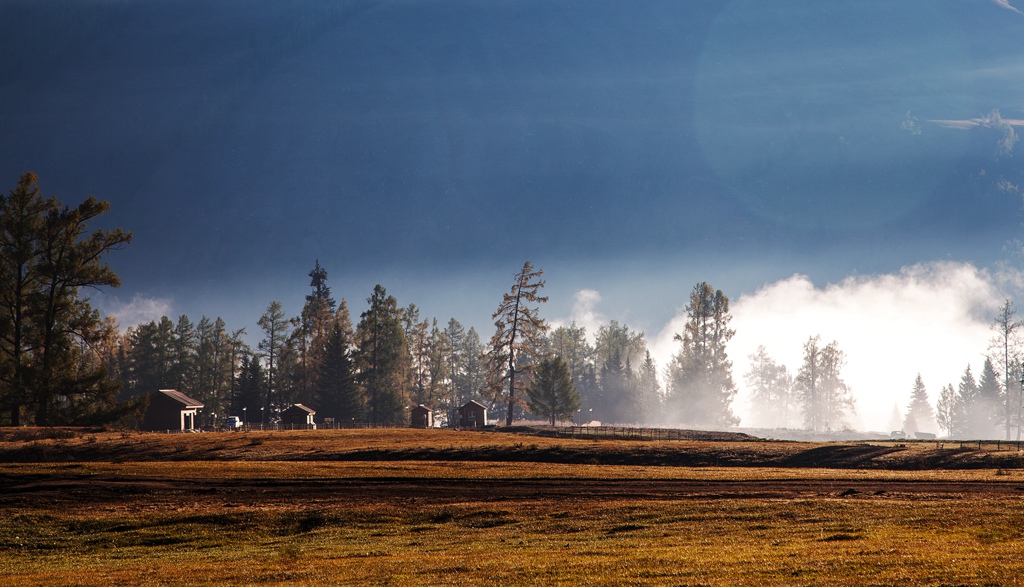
{"x": 233, "y": 423}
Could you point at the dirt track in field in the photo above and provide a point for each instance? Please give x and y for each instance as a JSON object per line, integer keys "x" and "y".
{"x": 71, "y": 491}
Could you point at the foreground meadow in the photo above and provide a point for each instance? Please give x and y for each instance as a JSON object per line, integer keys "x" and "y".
{"x": 267, "y": 517}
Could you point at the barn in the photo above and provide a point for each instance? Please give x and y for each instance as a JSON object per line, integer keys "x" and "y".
{"x": 421, "y": 417}
{"x": 298, "y": 417}
{"x": 169, "y": 409}
{"x": 472, "y": 415}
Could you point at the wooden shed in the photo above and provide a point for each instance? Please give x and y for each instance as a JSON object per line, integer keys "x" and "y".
{"x": 298, "y": 417}
{"x": 421, "y": 417}
{"x": 169, "y": 409}
{"x": 472, "y": 415}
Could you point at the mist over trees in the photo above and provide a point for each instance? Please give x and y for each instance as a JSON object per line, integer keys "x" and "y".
{"x": 825, "y": 399}
{"x": 771, "y": 392}
{"x": 701, "y": 387}
{"x": 992, "y": 405}
{"x": 920, "y": 416}
{"x": 62, "y": 363}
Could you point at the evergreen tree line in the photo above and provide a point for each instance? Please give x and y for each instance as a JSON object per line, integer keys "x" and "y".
{"x": 371, "y": 372}
{"x": 615, "y": 378}
{"x": 61, "y": 363}
{"x": 393, "y": 359}
{"x": 987, "y": 407}
{"x": 982, "y": 408}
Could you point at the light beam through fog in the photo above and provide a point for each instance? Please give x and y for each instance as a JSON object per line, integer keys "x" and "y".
{"x": 931, "y": 319}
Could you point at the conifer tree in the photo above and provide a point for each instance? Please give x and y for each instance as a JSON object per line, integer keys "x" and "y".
{"x": 438, "y": 370}
{"x": 48, "y": 255}
{"x": 518, "y": 340}
{"x": 649, "y": 391}
{"x": 966, "y": 405}
{"x": 825, "y": 397}
{"x": 472, "y": 377}
{"x": 382, "y": 359}
{"x": 553, "y": 394}
{"x": 700, "y": 374}
{"x": 612, "y": 402}
{"x": 896, "y": 419}
{"x": 276, "y": 330}
{"x": 249, "y": 396}
{"x": 919, "y": 412}
{"x": 946, "y": 410}
{"x": 1007, "y": 342}
{"x": 770, "y": 386}
{"x": 570, "y": 344}
{"x": 184, "y": 350}
{"x": 615, "y": 338}
{"x": 150, "y": 357}
{"x": 417, "y": 339}
{"x": 988, "y": 416}
{"x": 309, "y": 339}
{"x": 455, "y": 336}
{"x": 337, "y": 394}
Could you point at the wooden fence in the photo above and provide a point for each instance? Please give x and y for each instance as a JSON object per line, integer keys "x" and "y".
{"x": 630, "y": 433}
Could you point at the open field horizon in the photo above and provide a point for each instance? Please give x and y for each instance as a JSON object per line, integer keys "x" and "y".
{"x": 523, "y": 444}
{"x": 371, "y": 507}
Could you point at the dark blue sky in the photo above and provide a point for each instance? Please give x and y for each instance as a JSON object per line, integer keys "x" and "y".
{"x": 633, "y": 148}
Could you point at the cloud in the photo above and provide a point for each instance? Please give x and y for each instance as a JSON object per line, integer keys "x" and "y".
{"x": 994, "y": 121}
{"x": 140, "y": 309}
{"x": 584, "y": 313}
{"x": 931, "y": 319}
{"x": 1004, "y": 185}
{"x": 1006, "y": 4}
{"x": 910, "y": 125}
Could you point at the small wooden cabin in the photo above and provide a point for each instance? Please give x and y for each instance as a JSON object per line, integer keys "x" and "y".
{"x": 421, "y": 417}
{"x": 298, "y": 417}
{"x": 472, "y": 415}
{"x": 169, "y": 409}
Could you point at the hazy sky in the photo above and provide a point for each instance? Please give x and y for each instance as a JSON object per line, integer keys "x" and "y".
{"x": 822, "y": 162}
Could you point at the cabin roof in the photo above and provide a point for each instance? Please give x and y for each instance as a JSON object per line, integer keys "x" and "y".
{"x": 300, "y": 407}
{"x": 181, "y": 398}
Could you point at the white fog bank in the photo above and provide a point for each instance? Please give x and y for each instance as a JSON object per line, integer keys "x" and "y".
{"x": 930, "y": 318}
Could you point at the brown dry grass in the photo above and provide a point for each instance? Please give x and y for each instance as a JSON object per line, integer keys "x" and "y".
{"x": 244, "y": 509}
{"x": 439, "y": 445}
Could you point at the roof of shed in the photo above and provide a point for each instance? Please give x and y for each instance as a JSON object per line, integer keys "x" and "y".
{"x": 300, "y": 407}
{"x": 181, "y": 398}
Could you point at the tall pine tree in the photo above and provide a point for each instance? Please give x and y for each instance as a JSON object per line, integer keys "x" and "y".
{"x": 700, "y": 375}
{"x": 382, "y": 359}
{"x": 337, "y": 393}
{"x": 48, "y": 255}
{"x": 825, "y": 397}
{"x": 919, "y": 416}
{"x": 518, "y": 340}
{"x": 770, "y": 386}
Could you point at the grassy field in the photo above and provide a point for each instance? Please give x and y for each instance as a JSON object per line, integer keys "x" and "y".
{"x": 372, "y": 508}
